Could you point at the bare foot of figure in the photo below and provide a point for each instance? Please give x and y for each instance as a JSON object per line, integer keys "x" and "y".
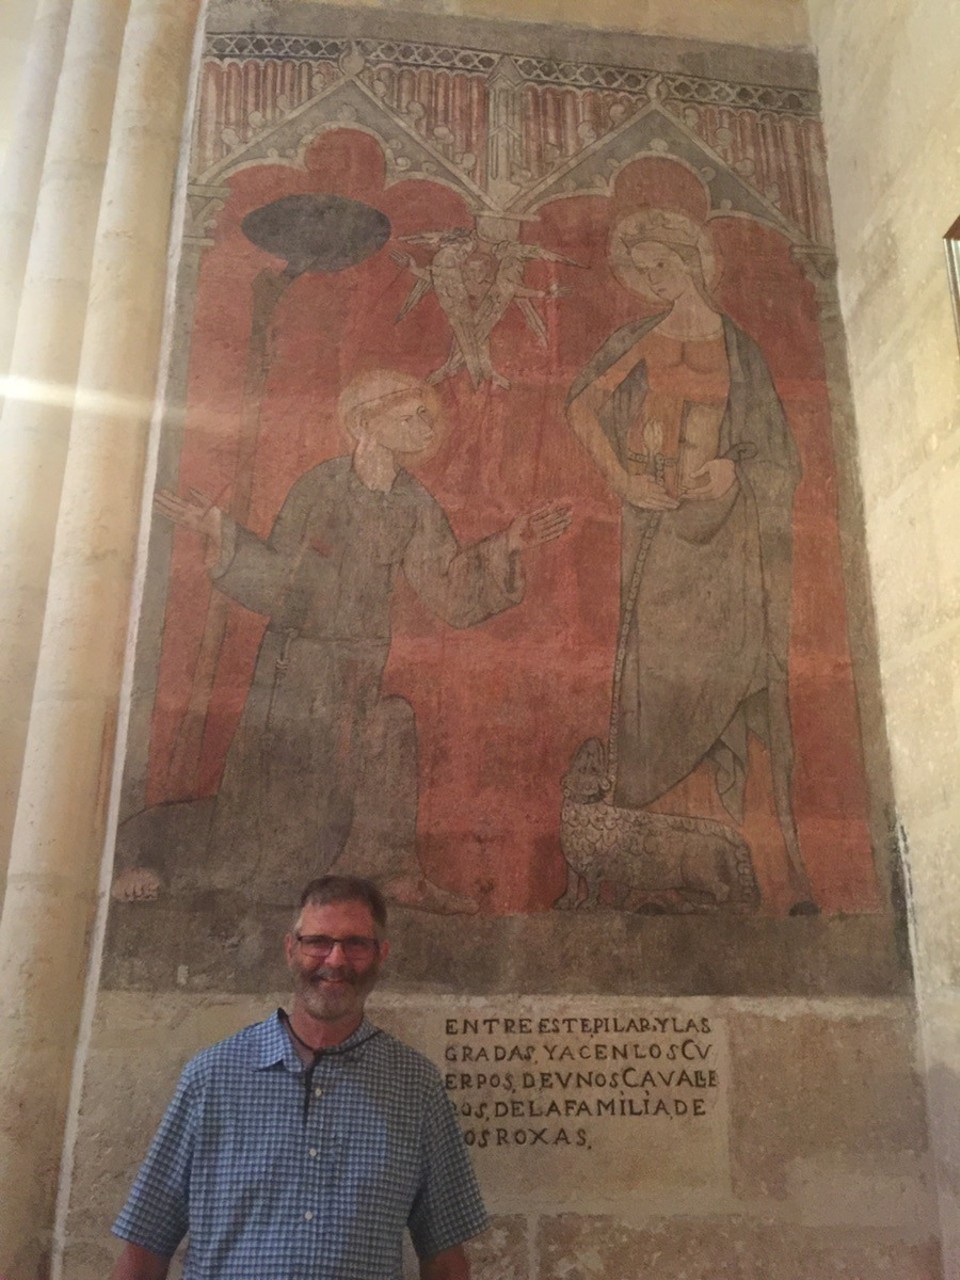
{"x": 805, "y": 907}
{"x": 804, "y": 903}
{"x": 135, "y": 884}
{"x": 422, "y": 895}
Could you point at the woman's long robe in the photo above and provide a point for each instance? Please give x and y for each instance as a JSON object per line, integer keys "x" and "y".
{"x": 705, "y": 593}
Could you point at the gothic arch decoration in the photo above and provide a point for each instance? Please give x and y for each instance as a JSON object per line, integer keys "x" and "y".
{"x": 492, "y": 130}
{"x": 653, "y": 131}
{"x": 349, "y": 103}
{"x": 510, "y": 133}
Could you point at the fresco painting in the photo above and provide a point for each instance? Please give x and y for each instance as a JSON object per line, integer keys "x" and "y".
{"x": 680, "y": 416}
{"x": 315, "y": 721}
{"x": 506, "y": 557}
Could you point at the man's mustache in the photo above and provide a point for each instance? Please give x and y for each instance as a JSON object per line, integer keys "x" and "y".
{"x": 335, "y": 973}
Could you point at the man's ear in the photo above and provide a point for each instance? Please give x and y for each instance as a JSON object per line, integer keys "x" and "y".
{"x": 359, "y": 428}
{"x": 289, "y": 943}
{"x": 384, "y": 949}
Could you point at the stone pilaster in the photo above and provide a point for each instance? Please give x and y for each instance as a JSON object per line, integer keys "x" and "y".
{"x": 23, "y": 167}
{"x": 35, "y": 421}
{"x": 65, "y": 786}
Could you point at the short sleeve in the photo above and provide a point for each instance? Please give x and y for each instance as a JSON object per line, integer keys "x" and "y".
{"x": 156, "y": 1215}
{"x": 448, "y": 1208}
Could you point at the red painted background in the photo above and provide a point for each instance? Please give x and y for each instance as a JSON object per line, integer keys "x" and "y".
{"x": 500, "y": 708}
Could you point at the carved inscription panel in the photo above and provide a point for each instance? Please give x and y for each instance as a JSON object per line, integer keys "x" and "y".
{"x": 575, "y": 1100}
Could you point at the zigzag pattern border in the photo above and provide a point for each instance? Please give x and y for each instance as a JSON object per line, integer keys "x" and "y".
{"x": 701, "y": 90}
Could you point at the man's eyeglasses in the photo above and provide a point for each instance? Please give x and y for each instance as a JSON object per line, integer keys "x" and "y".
{"x": 318, "y": 946}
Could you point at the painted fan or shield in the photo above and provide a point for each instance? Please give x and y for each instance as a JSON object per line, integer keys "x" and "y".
{"x": 318, "y": 232}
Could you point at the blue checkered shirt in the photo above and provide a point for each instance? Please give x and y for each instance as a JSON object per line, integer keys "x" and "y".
{"x": 278, "y": 1172}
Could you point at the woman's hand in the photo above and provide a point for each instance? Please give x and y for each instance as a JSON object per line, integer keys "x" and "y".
{"x": 713, "y": 480}
{"x": 646, "y": 493}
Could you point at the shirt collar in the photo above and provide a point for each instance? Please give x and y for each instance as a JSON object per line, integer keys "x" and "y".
{"x": 271, "y": 1044}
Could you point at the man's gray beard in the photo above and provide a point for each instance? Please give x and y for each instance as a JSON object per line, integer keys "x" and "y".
{"x": 328, "y": 1004}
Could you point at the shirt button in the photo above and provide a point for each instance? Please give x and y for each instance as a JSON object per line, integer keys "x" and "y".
{"x": 308, "y": 1216}
{"x": 318, "y": 1093}
{"x": 313, "y": 1153}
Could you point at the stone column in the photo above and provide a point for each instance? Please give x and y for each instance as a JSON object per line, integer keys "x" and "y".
{"x": 68, "y": 762}
{"x": 43, "y": 365}
{"x": 23, "y": 167}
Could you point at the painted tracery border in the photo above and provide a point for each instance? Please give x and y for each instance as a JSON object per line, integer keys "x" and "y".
{"x": 510, "y": 131}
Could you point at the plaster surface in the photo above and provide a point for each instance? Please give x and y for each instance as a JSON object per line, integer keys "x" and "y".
{"x": 776, "y": 24}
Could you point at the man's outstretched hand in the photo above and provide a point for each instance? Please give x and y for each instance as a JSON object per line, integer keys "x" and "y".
{"x": 196, "y": 513}
{"x": 534, "y": 528}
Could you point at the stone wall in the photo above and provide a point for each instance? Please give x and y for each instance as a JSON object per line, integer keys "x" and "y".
{"x": 659, "y": 1070}
{"x": 892, "y": 154}
{"x": 796, "y": 1144}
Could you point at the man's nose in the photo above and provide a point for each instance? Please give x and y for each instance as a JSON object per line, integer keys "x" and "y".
{"x": 337, "y": 943}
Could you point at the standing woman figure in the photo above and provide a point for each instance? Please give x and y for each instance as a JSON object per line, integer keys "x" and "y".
{"x": 679, "y": 414}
